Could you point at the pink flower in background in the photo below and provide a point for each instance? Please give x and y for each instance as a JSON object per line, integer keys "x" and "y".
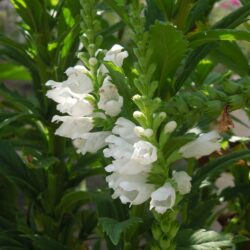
{"x": 235, "y": 3}
{"x": 228, "y": 4}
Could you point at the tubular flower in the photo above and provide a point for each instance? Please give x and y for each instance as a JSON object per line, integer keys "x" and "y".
{"x": 163, "y": 198}
{"x": 116, "y": 55}
{"x": 183, "y": 181}
{"x": 110, "y": 101}
{"x": 73, "y": 127}
{"x": 205, "y": 144}
{"x": 131, "y": 189}
{"x": 91, "y": 142}
{"x": 132, "y": 160}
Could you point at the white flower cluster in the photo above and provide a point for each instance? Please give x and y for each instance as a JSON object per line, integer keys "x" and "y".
{"x": 74, "y": 99}
{"x": 133, "y": 159}
{"x": 164, "y": 197}
{"x": 132, "y": 162}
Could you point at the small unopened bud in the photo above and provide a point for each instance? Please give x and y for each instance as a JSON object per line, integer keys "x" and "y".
{"x": 92, "y": 61}
{"x": 170, "y": 127}
{"x": 141, "y": 118}
{"x": 136, "y": 98}
{"x": 139, "y": 131}
{"x": 237, "y": 101}
{"x": 138, "y": 114}
{"x": 214, "y": 106}
{"x": 148, "y": 132}
{"x": 231, "y": 87}
{"x": 162, "y": 115}
{"x": 156, "y": 232}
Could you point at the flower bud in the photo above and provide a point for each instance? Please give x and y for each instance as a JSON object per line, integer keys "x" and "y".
{"x": 141, "y": 118}
{"x": 181, "y": 105}
{"x": 148, "y": 132}
{"x": 236, "y": 101}
{"x": 165, "y": 226}
{"x": 165, "y": 243}
{"x": 93, "y": 61}
{"x": 158, "y": 119}
{"x": 195, "y": 101}
{"x": 99, "y": 40}
{"x": 214, "y": 106}
{"x": 231, "y": 87}
{"x": 156, "y": 232}
{"x": 170, "y": 127}
{"x": 173, "y": 230}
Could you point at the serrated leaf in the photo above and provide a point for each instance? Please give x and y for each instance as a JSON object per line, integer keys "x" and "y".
{"x": 202, "y": 240}
{"x": 169, "y": 47}
{"x": 114, "y": 228}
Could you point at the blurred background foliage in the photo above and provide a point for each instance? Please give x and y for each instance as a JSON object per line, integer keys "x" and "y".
{"x": 45, "y": 198}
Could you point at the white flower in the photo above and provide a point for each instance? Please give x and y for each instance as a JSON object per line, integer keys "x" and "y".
{"x": 73, "y": 127}
{"x": 125, "y": 129}
{"x": 79, "y": 80}
{"x": 131, "y": 163}
{"x": 131, "y": 189}
{"x": 144, "y": 152}
{"x": 163, "y": 198}
{"x": 110, "y": 101}
{"x": 205, "y": 144}
{"x": 91, "y": 142}
{"x": 76, "y": 107}
{"x": 118, "y": 148}
{"x": 116, "y": 55}
{"x": 140, "y": 131}
{"x": 127, "y": 167}
{"x": 183, "y": 181}
{"x": 70, "y": 94}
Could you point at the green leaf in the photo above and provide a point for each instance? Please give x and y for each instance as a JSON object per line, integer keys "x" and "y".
{"x": 17, "y": 52}
{"x": 72, "y": 200}
{"x": 219, "y": 164}
{"x": 239, "y": 191}
{"x": 202, "y": 240}
{"x": 198, "y": 12}
{"x": 7, "y": 118}
{"x": 114, "y": 228}
{"x": 231, "y": 21}
{"x": 32, "y": 181}
{"x": 9, "y": 71}
{"x": 231, "y": 55}
{"x": 46, "y": 243}
{"x": 169, "y": 47}
{"x": 119, "y": 10}
{"x": 16, "y": 100}
{"x": 218, "y": 35}
{"x": 7, "y": 197}
{"x": 167, "y": 6}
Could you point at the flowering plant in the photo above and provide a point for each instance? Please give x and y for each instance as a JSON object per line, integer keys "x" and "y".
{"x": 127, "y": 92}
